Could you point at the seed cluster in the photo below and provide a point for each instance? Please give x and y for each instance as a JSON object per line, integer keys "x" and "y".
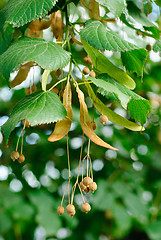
{"x": 15, "y": 154}
{"x": 85, "y": 185}
{"x": 86, "y": 70}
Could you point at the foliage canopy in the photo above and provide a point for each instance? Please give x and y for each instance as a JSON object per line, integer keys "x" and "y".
{"x": 45, "y": 48}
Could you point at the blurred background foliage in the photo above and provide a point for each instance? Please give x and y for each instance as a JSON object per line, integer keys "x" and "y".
{"x": 127, "y": 203}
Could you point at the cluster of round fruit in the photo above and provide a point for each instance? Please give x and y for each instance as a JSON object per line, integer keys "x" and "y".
{"x": 86, "y": 70}
{"x": 15, "y": 155}
{"x": 70, "y": 209}
{"x": 86, "y": 185}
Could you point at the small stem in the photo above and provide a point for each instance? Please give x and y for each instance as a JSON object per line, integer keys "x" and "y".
{"x": 81, "y": 192}
{"x": 87, "y": 166}
{"x": 62, "y": 80}
{"x": 77, "y": 65}
{"x": 45, "y": 77}
{"x": 91, "y": 171}
{"x": 80, "y": 159}
{"x": 68, "y": 167}
{"x": 88, "y": 147}
{"x": 84, "y": 82}
{"x": 22, "y": 143}
{"x": 20, "y": 135}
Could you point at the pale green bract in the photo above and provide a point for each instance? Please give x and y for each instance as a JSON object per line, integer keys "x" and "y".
{"x": 112, "y": 116}
{"x": 20, "y": 12}
{"x": 38, "y": 108}
{"x": 98, "y": 36}
{"x": 103, "y": 65}
{"x": 48, "y": 55}
{"x": 138, "y": 106}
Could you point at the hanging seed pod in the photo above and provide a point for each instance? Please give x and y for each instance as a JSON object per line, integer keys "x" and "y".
{"x": 92, "y": 186}
{"x": 58, "y": 72}
{"x": 103, "y": 119}
{"x": 21, "y": 158}
{"x": 72, "y": 213}
{"x": 92, "y": 74}
{"x": 60, "y": 210}
{"x": 94, "y": 126}
{"x": 70, "y": 208}
{"x": 138, "y": 33}
{"x": 14, "y": 155}
{"x": 27, "y": 91}
{"x": 87, "y": 60}
{"x": 82, "y": 186}
{"x": 87, "y": 190}
{"x": 86, "y": 70}
{"x": 86, "y": 207}
{"x": 87, "y": 181}
{"x": 149, "y": 47}
{"x": 55, "y": 90}
{"x": 33, "y": 88}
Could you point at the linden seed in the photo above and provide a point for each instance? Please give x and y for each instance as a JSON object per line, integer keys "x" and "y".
{"x": 27, "y": 91}
{"x": 33, "y": 88}
{"x": 82, "y": 186}
{"x": 92, "y": 186}
{"x": 87, "y": 181}
{"x": 86, "y": 70}
{"x": 87, "y": 190}
{"x": 103, "y": 119}
{"x": 138, "y": 33}
{"x": 72, "y": 214}
{"x": 86, "y": 207}
{"x": 148, "y": 47}
{"x": 60, "y": 210}
{"x": 21, "y": 158}
{"x": 87, "y": 60}
{"x": 94, "y": 126}
{"x": 92, "y": 73}
{"x": 14, "y": 155}
{"x": 70, "y": 208}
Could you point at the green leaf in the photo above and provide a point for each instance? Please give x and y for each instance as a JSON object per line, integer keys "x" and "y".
{"x": 134, "y": 60}
{"x": 48, "y": 55}
{"x": 139, "y": 109}
{"x": 97, "y": 35}
{"x": 138, "y": 15}
{"x": 104, "y": 196}
{"x": 157, "y": 46}
{"x": 137, "y": 105}
{"x": 103, "y": 65}
{"x": 6, "y": 33}
{"x": 47, "y": 216}
{"x": 136, "y": 207}
{"x": 135, "y": 16}
{"x": 5, "y": 223}
{"x": 42, "y": 197}
{"x": 112, "y": 116}
{"x": 50, "y": 221}
{"x": 115, "y": 6}
{"x": 38, "y": 108}
{"x": 122, "y": 219}
{"x": 22, "y": 211}
{"x": 154, "y": 230}
{"x": 20, "y": 12}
